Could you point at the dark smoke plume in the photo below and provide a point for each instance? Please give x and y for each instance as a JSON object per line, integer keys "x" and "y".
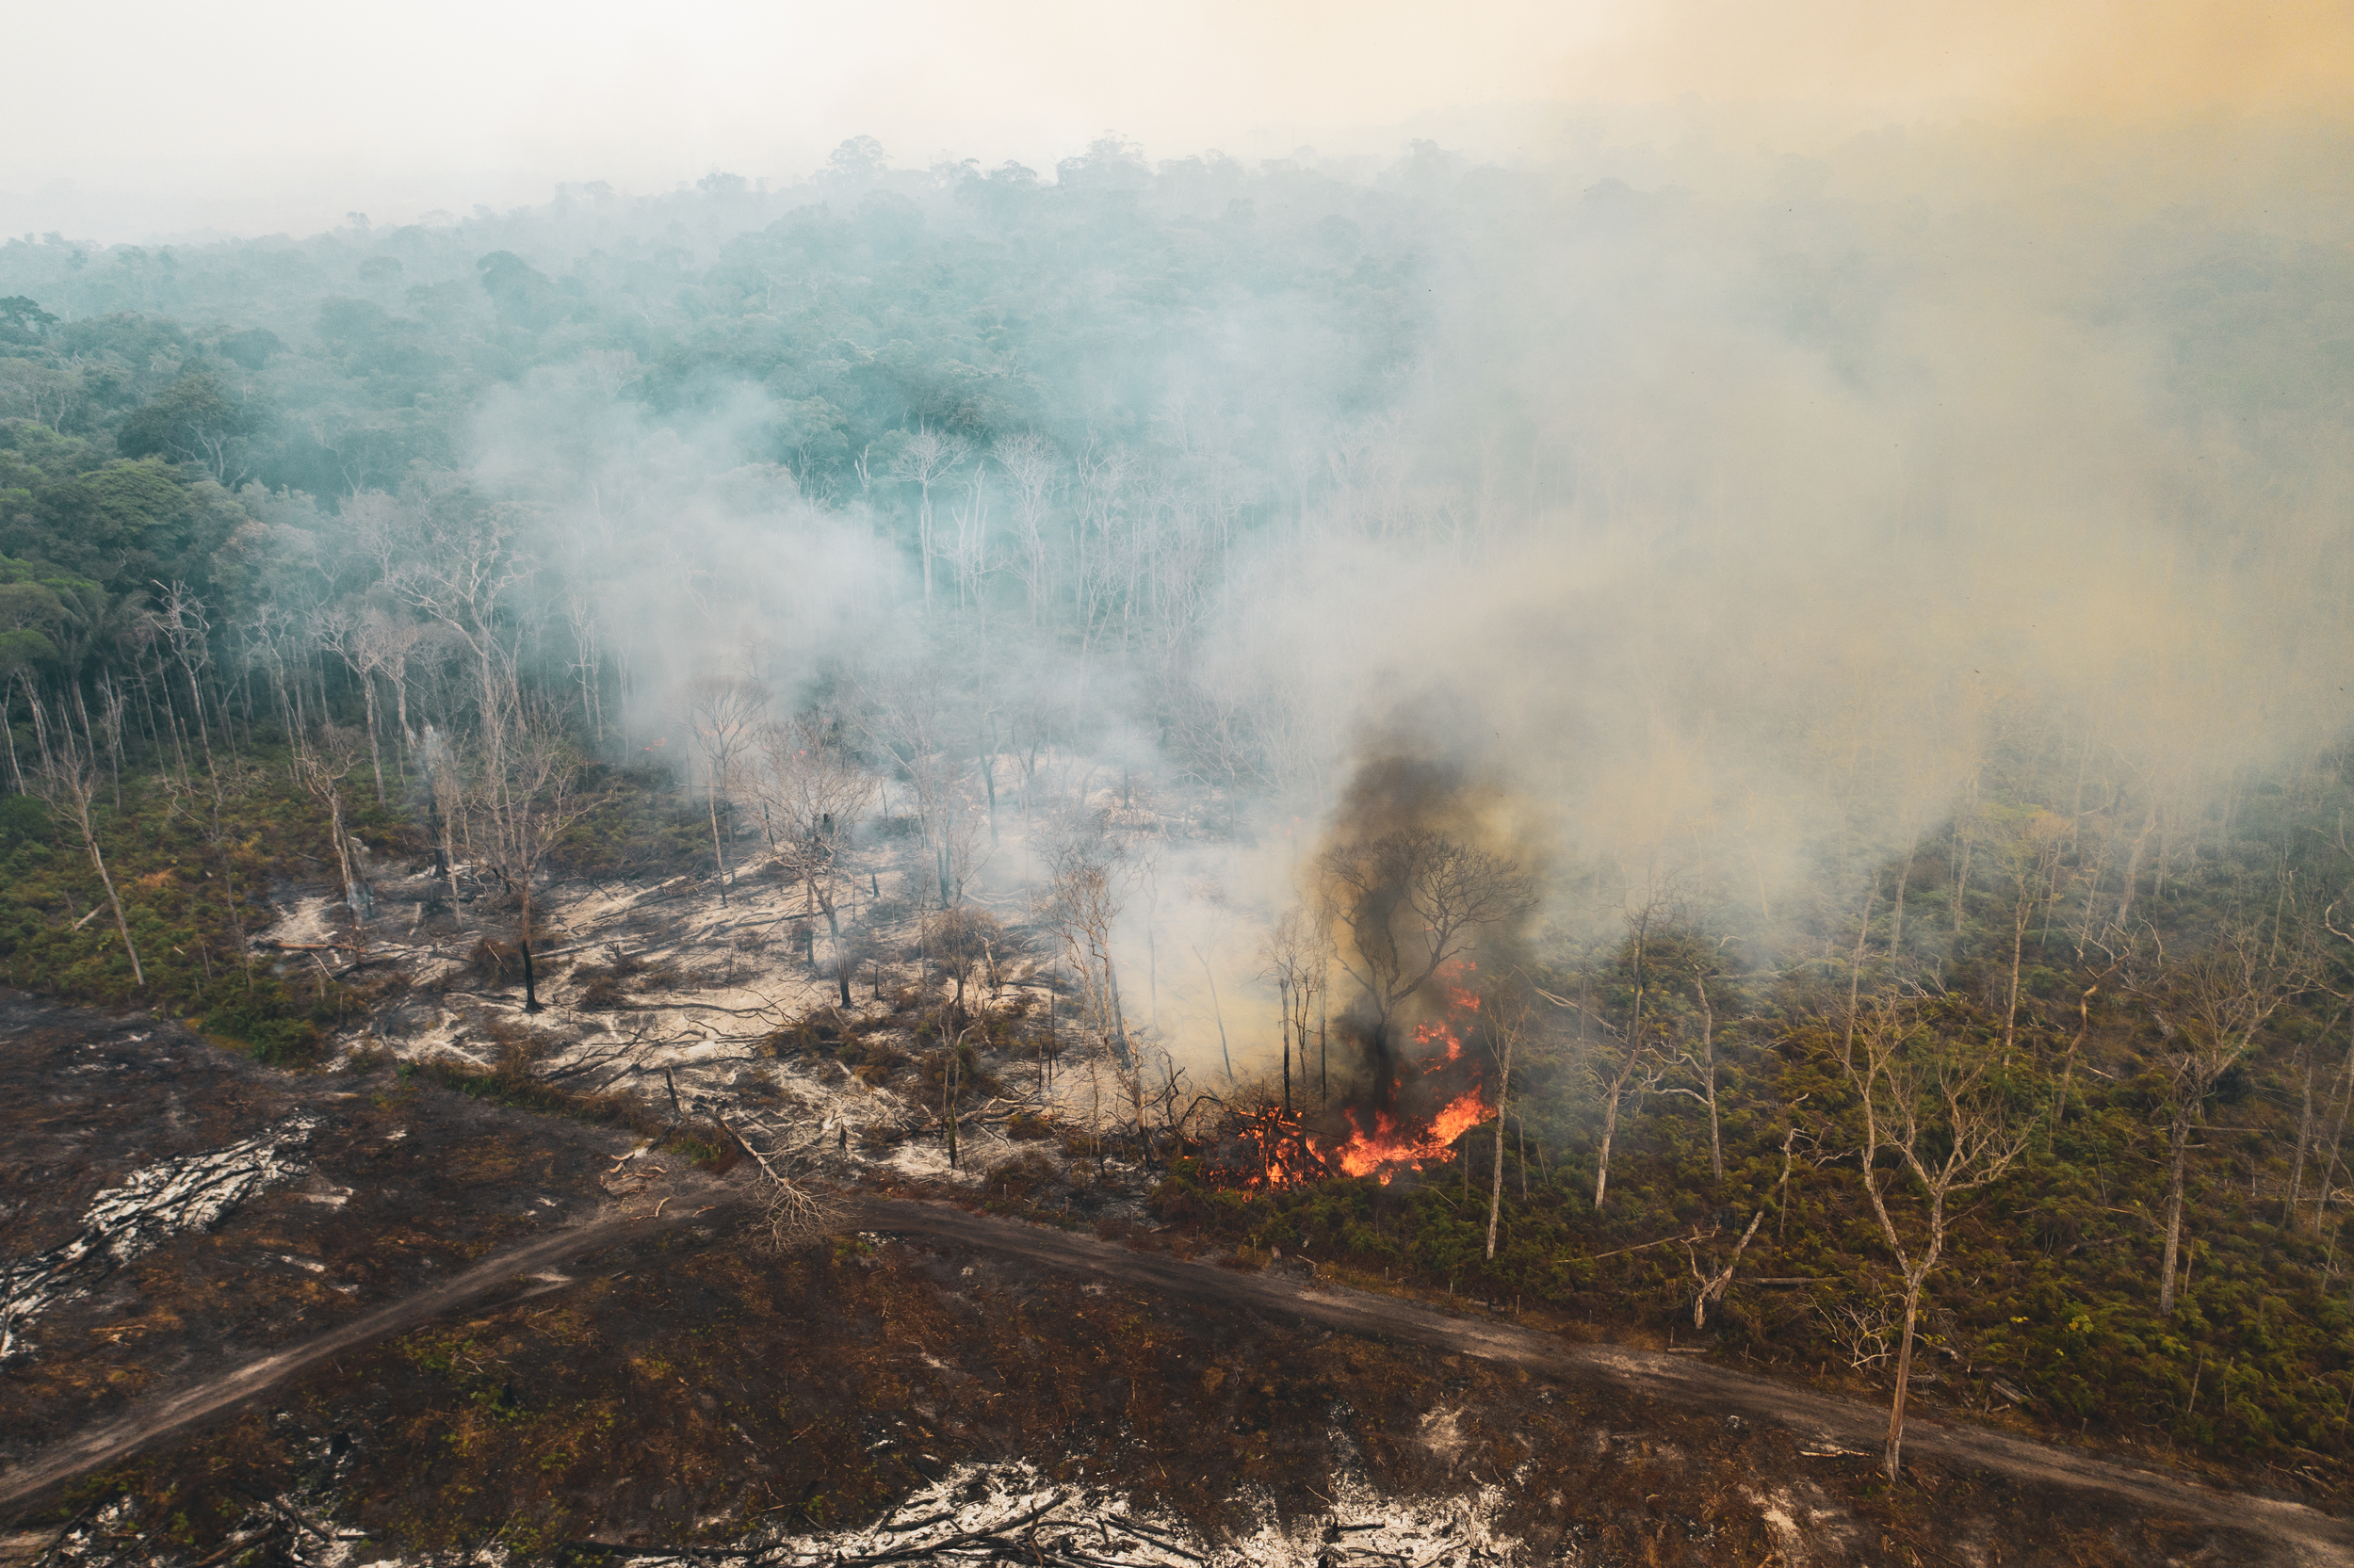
{"x": 1427, "y": 883}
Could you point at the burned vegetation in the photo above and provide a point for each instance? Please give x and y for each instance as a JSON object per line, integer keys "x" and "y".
{"x": 1397, "y": 1136}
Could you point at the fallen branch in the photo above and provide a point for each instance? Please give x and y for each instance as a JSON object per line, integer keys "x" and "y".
{"x": 795, "y": 1215}
{"x": 1641, "y": 1246}
{"x": 913, "y": 1549}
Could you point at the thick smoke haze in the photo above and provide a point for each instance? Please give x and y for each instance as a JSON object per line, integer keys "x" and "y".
{"x": 268, "y": 118}
{"x": 1742, "y": 513}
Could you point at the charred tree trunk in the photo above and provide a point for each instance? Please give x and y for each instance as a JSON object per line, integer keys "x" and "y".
{"x": 523, "y": 946}
{"x": 1283, "y": 1000}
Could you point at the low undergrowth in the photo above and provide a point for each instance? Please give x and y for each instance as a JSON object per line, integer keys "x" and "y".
{"x": 2043, "y": 1307}
{"x": 195, "y": 862}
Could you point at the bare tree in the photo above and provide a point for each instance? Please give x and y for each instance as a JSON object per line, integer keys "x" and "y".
{"x": 1713, "y": 1284}
{"x": 1622, "y": 1075}
{"x": 1030, "y": 466}
{"x": 2031, "y": 847}
{"x": 384, "y": 641}
{"x": 1087, "y": 873}
{"x": 1299, "y": 962}
{"x": 969, "y": 555}
{"x": 1085, "y": 868}
{"x": 906, "y": 718}
{"x": 464, "y": 581}
{"x": 66, "y": 780}
{"x": 818, "y": 794}
{"x": 582, "y": 614}
{"x": 1935, "y": 1093}
{"x": 725, "y": 713}
{"x": 179, "y": 620}
{"x": 962, "y": 943}
{"x": 1505, "y": 1017}
{"x": 2209, "y": 1009}
{"x": 321, "y": 765}
{"x": 1698, "y": 964}
{"x": 1633, "y": 1063}
{"x": 337, "y": 630}
{"x": 927, "y": 460}
{"x": 793, "y": 1215}
{"x": 525, "y": 808}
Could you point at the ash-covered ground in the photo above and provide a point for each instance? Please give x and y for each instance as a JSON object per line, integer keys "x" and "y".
{"x": 697, "y": 1390}
{"x": 731, "y": 1011}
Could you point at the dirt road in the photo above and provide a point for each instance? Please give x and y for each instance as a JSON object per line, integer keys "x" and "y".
{"x": 531, "y": 1266}
{"x": 1679, "y": 1383}
{"x": 1683, "y": 1382}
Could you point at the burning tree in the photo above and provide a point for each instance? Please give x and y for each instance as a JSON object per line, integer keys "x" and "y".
{"x": 1401, "y": 912}
{"x": 1402, "y": 906}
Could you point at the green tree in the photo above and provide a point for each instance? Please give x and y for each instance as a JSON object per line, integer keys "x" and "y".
{"x": 196, "y": 421}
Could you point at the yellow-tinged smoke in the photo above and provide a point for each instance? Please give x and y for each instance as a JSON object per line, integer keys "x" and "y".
{"x": 2088, "y": 60}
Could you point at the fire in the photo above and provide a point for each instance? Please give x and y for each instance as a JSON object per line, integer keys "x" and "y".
{"x": 1289, "y": 1154}
{"x": 1285, "y": 1155}
{"x": 1460, "y": 999}
{"x": 1282, "y": 1153}
{"x": 1381, "y": 1154}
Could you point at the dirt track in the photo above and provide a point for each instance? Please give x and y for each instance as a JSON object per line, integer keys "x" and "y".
{"x": 149, "y": 1422}
{"x": 1674, "y": 1381}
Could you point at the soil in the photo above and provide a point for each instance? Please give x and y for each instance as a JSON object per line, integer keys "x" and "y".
{"x": 440, "y": 1324}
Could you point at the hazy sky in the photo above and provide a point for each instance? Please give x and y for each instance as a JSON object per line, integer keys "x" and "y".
{"x": 153, "y": 116}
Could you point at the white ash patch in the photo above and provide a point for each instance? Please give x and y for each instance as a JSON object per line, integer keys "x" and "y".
{"x": 307, "y": 921}
{"x": 1011, "y": 1512}
{"x": 187, "y": 1193}
{"x": 1781, "y": 1523}
{"x": 1804, "y": 1527}
{"x": 924, "y": 1161}
{"x": 1365, "y": 1528}
{"x": 686, "y": 1030}
{"x": 978, "y": 1512}
{"x": 1441, "y": 1432}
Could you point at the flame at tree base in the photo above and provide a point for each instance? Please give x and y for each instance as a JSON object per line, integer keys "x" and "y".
{"x": 1284, "y": 1153}
{"x": 1380, "y": 1153}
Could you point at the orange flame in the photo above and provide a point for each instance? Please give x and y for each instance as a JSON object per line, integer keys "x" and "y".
{"x": 1384, "y": 1149}
{"x": 1289, "y": 1156}
{"x": 1380, "y": 1153}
